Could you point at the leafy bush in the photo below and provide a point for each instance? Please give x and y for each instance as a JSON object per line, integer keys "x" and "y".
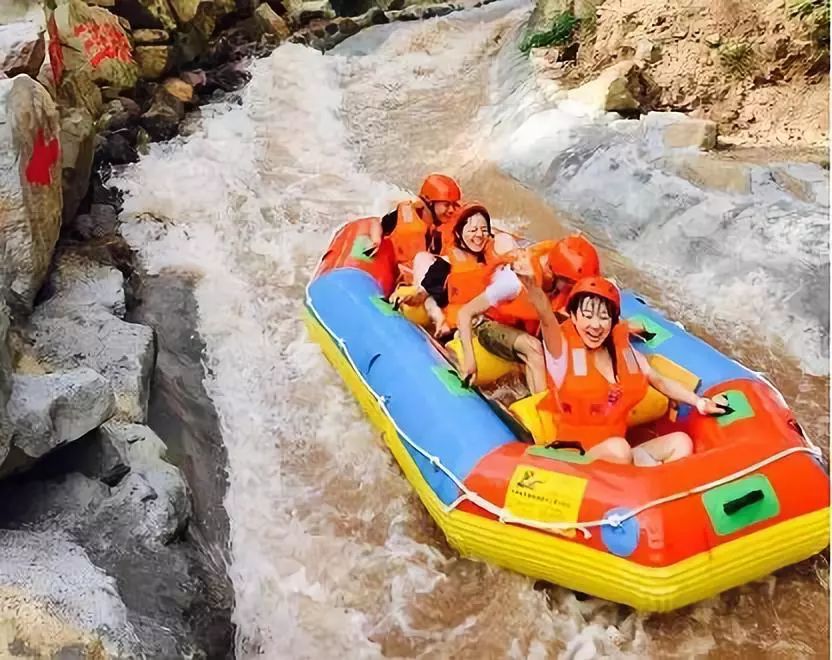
{"x": 563, "y": 27}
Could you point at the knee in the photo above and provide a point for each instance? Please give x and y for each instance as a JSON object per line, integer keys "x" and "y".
{"x": 530, "y": 349}
{"x": 613, "y": 450}
{"x": 680, "y": 445}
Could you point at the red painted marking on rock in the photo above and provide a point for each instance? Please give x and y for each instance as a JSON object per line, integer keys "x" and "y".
{"x": 44, "y": 156}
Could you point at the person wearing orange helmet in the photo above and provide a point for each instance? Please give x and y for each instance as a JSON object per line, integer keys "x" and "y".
{"x": 413, "y": 226}
{"x": 462, "y": 270}
{"x": 595, "y": 377}
{"x": 510, "y": 322}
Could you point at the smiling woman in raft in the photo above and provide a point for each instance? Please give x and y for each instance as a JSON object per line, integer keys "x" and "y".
{"x": 595, "y": 377}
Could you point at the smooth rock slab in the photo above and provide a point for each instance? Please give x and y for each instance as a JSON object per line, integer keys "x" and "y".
{"x": 67, "y": 337}
{"x": 50, "y": 410}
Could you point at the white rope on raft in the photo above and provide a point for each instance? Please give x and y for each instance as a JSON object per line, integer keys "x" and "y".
{"x": 504, "y": 515}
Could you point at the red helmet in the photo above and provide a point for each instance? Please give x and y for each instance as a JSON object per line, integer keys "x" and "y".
{"x": 597, "y": 286}
{"x": 574, "y": 258}
{"x": 440, "y": 188}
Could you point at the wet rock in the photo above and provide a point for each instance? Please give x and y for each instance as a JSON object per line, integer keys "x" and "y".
{"x": 66, "y": 337}
{"x": 92, "y": 38}
{"x": 22, "y": 49}
{"x": 179, "y": 89}
{"x": 81, "y": 282}
{"x": 154, "y": 61}
{"x": 53, "y": 585}
{"x": 351, "y": 7}
{"x": 77, "y": 147}
{"x": 227, "y": 78}
{"x": 117, "y": 150}
{"x": 118, "y": 114}
{"x": 78, "y": 90}
{"x": 713, "y": 174}
{"x": 30, "y": 187}
{"x": 99, "y": 222}
{"x": 313, "y": 10}
{"x": 622, "y": 87}
{"x": 677, "y": 131}
{"x": 146, "y": 14}
{"x": 196, "y": 78}
{"x": 163, "y": 117}
{"x": 268, "y": 22}
{"x": 151, "y": 37}
{"x": 374, "y": 16}
{"x": 144, "y": 452}
{"x": 348, "y": 27}
{"x": 49, "y": 410}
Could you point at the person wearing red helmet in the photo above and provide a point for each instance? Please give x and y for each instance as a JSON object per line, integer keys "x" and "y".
{"x": 510, "y": 322}
{"x": 414, "y": 226}
{"x": 595, "y": 377}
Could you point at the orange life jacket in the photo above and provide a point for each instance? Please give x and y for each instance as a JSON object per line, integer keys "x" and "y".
{"x": 587, "y": 407}
{"x": 520, "y": 312}
{"x": 410, "y": 235}
{"x": 468, "y": 278}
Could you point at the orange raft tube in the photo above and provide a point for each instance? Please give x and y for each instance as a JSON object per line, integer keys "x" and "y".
{"x": 753, "y": 497}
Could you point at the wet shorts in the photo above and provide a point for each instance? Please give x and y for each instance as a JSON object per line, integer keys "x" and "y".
{"x": 499, "y": 339}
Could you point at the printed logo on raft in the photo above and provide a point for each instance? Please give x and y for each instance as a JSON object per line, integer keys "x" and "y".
{"x": 545, "y": 496}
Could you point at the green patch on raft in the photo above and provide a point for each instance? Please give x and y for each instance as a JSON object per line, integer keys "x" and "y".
{"x": 563, "y": 27}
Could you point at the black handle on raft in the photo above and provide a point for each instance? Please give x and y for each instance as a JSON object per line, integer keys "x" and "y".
{"x": 370, "y": 252}
{"x": 749, "y": 498}
{"x": 646, "y": 335}
{"x": 566, "y": 444}
{"x": 395, "y": 305}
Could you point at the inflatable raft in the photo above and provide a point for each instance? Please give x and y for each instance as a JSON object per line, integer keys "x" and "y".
{"x": 753, "y": 497}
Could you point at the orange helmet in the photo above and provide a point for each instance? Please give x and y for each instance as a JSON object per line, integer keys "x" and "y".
{"x": 597, "y": 286}
{"x": 440, "y": 188}
{"x": 574, "y": 258}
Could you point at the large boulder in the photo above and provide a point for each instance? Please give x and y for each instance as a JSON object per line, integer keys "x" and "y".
{"x": 50, "y": 410}
{"x": 68, "y": 337}
{"x": 22, "y": 49}
{"x": 623, "y": 87}
{"x": 674, "y": 130}
{"x": 30, "y": 187}
{"x": 93, "y": 39}
{"x": 64, "y": 606}
{"x": 83, "y": 283}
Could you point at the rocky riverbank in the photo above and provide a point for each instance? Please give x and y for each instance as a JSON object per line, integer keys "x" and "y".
{"x": 112, "y": 466}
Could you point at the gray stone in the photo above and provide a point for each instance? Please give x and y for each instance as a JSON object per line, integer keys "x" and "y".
{"x": 49, "y": 410}
{"x": 68, "y": 337}
{"x": 46, "y": 572}
{"x": 151, "y": 508}
{"x": 22, "y": 49}
{"x": 81, "y": 282}
{"x": 77, "y": 148}
{"x": 268, "y": 22}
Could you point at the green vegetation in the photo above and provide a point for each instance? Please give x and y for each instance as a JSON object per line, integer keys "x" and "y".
{"x": 737, "y": 57}
{"x": 815, "y": 14}
{"x": 561, "y": 32}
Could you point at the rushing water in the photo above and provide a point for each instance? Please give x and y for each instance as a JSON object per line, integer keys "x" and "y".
{"x": 332, "y": 554}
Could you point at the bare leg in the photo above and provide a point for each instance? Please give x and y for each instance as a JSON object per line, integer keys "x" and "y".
{"x": 612, "y": 450}
{"x": 664, "y": 449}
{"x": 530, "y": 351}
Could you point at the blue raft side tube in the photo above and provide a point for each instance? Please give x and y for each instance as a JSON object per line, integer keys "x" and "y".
{"x": 397, "y": 360}
{"x": 678, "y": 345}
